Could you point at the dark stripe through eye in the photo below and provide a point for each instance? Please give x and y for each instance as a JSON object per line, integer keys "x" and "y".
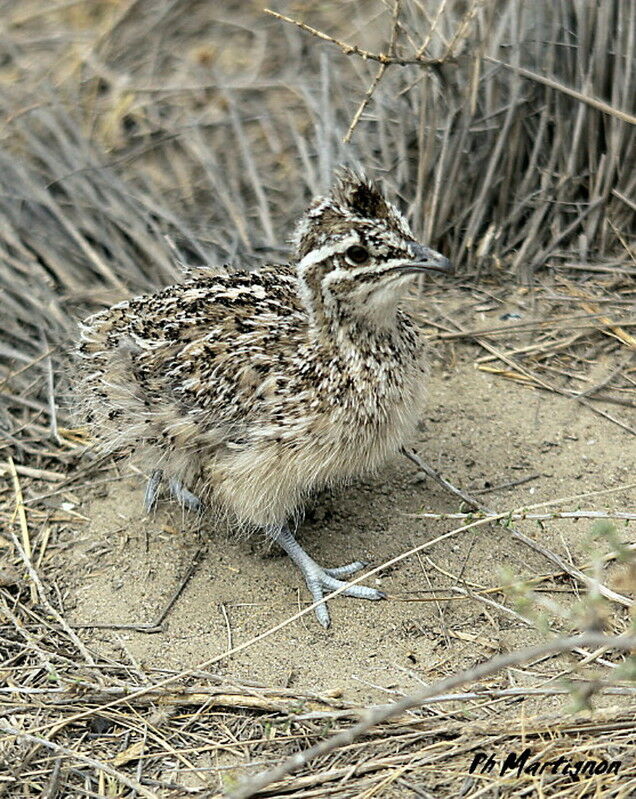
{"x": 357, "y": 254}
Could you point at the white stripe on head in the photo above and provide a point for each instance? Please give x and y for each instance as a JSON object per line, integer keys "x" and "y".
{"x": 328, "y": 250}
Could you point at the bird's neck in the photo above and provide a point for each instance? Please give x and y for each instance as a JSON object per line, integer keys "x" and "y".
{"x": 339, "y": 319}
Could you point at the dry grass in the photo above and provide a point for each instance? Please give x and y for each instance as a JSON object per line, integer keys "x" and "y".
{"x": 134, "y": 130}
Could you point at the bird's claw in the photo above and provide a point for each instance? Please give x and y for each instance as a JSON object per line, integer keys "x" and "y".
{"x": 152, "y": 490}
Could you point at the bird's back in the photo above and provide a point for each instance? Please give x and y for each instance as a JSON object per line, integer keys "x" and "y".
{"x": 194, "y": 356}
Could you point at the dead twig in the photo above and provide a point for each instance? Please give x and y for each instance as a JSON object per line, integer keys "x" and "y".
{"x": 41, "y": 593}
{"x": 353, "y": 49}
{"x": 573, "y": 514}
{"x": 157, "y": 625}
{"x": 594, "y": 102}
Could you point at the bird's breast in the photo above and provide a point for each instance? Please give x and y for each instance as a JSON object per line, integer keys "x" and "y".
{"x": 364, "y": 414}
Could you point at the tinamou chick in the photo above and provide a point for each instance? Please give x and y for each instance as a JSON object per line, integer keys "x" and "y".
{"x": 250, "y": 390}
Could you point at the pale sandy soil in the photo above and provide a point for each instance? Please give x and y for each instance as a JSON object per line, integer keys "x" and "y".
{"x": 481, "y": 431}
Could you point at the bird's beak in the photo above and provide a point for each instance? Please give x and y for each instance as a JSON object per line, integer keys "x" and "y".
{"x": 425, "y": 259}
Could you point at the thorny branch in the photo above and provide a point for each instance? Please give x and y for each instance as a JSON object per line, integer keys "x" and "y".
{"x": 569, "y": 514}
{"x": 384, "y": 59}
{"x": 391, "y": 58}
{"x": 353, "y": 49}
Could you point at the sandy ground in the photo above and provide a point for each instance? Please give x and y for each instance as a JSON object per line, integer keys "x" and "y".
{"x": 122, "y": 567}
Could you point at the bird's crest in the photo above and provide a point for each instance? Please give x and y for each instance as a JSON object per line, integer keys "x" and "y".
{"x": 353, "y": 199}
{"x": 360, "y": 196}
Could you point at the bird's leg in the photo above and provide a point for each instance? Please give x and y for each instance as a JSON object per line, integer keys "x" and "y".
{"x": 184, "y": 496}
{"x": 152, "y": 490}
{"x": 321, "y": 581}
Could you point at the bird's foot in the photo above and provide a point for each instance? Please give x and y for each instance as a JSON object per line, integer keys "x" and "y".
{"x": 322, "y": 581}
{"x": 185, "y": 497}
{"x": 179, "y": 492}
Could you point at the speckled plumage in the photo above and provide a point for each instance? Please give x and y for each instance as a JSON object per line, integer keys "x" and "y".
{"x": 254, "y": 389}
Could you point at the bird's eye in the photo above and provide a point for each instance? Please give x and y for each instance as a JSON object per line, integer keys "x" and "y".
{"x": 357, "y": 254}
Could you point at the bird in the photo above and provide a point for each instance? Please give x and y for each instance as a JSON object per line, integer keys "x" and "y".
{"x": 249, "y": 390}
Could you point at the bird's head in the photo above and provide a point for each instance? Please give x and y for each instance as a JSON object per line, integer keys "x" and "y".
{"x": 356, "y": 251}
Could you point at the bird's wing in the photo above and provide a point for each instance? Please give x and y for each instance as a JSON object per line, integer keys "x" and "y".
{"x": 209, "y": 348}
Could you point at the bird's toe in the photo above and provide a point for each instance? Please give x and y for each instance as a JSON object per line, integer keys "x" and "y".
{"x": 152, "y": 490}
{"x": 349, "y": 568}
